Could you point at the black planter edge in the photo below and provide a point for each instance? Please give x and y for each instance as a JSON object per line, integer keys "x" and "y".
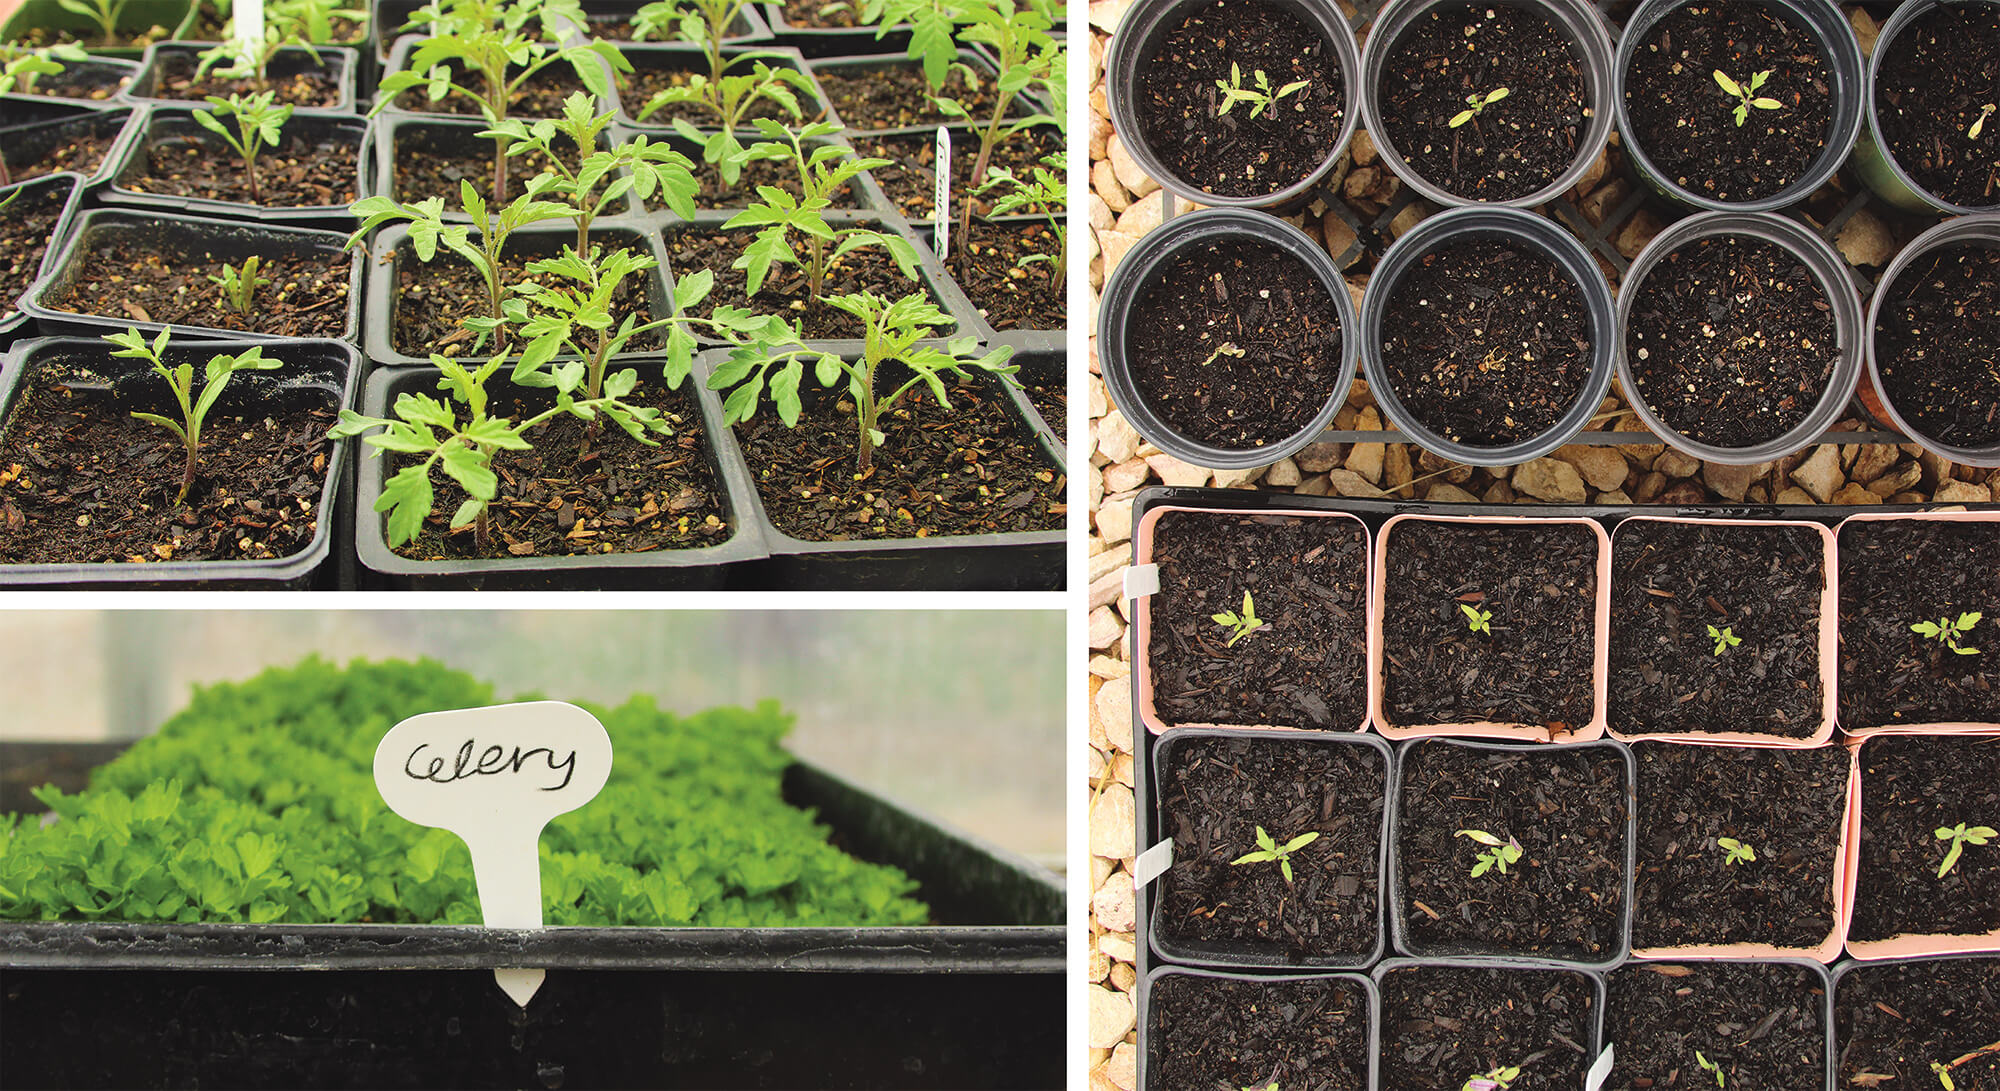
{"x": 784, "y": 56}
{"x": 972, "y": 57}
{"x": 399, "y": 60}
{"x": 344, "y": 59}
{"x": 1596, "y": 1048}
{"x": 115, "y": 195}
{"x": 869, "y": 195}
{"x": 379, "y": 173}
{"x": 58, "y": 235}
{"x": 1371, "y": 993}
{"x": 1839, "y": 971}
{"x": 131, "y": 125}
{"x": 1817, "y": 968}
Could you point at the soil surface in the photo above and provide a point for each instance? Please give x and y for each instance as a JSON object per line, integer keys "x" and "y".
{"x": 312, "y": 88}
{"x": 810, "y": 13}
{"x": 1010, "y": 295}
{"x": 1731, "y": 341}
{"x": 432, "y": 163}
{"x": 1487, "y": 343}
{"x": 541, "y": 96}
{"x": 432, "y": 299}
{"x": 786, "y": 289}
{"x": 619, "y": 496}
{"x": 1513, "y": 146}
{"x": 1788, "y": 806}
{"x": 80, "y": 80}
{"x": 651, "y": 75}
{"x": 1305, "y": 666}
{"x": 1894, "y": 574}
{"x": 1566, "y": 809}
{"x": 1211, "y": 302}
{"x": 1936, "y": 81}
{"x": 1934, "y": 345}
{"x": 1894, "y": 1021}
{"x": 1254, "y": 148}
{"x": 1672, "y": 582}
{"x": 84, "y": 482}
{"x": 1912, "y": 786}
{"x": 971, "y": 469}
{"x": 615, "y": 28}
{"x": 1046, "y": 384}
{"x": 1686, "y": 122}
{"x": 1539, "y": 583}
{"x": 1443, "y": 1025}
{"x": 1208, "y": 1032}
{"x": 896, "y": 95}
{"x": 1763, "y": 1025}
{"x": 125, "y": 278}
{"x": 1216, "y": 792}
{"x": 297, "y": 174}
{"x": 79, "y": 146}
{"x": 911, "y": 181}
{"x": 715, "y": 193}
{"x": 24, "y": 238}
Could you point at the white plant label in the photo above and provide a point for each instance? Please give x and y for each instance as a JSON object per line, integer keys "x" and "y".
{"x": 941, "y": 200}
{"x": 248, "y": 16}
{"x": 495, "y": 776}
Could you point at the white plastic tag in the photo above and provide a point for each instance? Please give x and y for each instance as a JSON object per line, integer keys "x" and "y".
{"x": 495, "y": 777}
{"x": 1153, "y": 863}
{"x": 941, "y": 200}
{"x": 248, "y": 17}
{"x": 1599, "y": 1071}
{"x": 1142, "y": 580}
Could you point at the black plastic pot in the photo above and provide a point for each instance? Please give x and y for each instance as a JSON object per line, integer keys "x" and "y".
{"x": 136, "y": 17}
{"x": 321, "y": 373}
{"x": 337, "y": 61}
{"x": 166, "y": 233}
{"x": 1592, "y": 1048}
{"x": 965, "y": 149}
{"x": 748, "y": 27}
{"x": 1828, "y": 27}
{"x": 1873, "y": 161}
{"x": 1982, "y": 229}
{"x": 705, "y": 568}
{"x": 100, "y": 78}
{"x": 176, "y": 125}
{"x": 1149, "y": 1079}
{"x": 816, "y": 42}
{"x": 31, "y": 130}
{"x": 1828, "y": 268}
{"x": 1817, "y": 969}
{"x": 1055, "y": 340}
{"x": 685, "y": 57}
{"x": 1850, "y": 967}
{"x": 399, "y": 60}
{"x": 1137, "y": 270}
{"x": 868, "y": 196}
{"x": 975, "y": 1000}
{"x": 72, "y": 189}
{"x": 1518, "y": 228}
{"x": 1045, "y": 364}
{"x": 1140, "y": 36}
{"x": 396, "y": 133}
{"x": 1027, "y": 103}
{"x": 1576, "y": 20}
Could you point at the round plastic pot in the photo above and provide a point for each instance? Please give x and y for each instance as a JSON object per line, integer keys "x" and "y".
{"x": 1982, "y": 230}
{"x": 1873, "y": 161}
{"x": 398, "y": 134}
{"x": 31, "y": 130}
{"x": 1828, "y": 268}
{"x": 1399, "y": 921}
{"x": 1818, "y": 970}
{"x": 815, "y": 42}
{"x": 685, "y": 57}
{"x": 1140, "y": 267}
{"x": 176, "y": 125}
{"x": 338, "y": 61}
{"x": 1576, "y": 20}
{"x": 1517, "y": 228}
{"x": 1517, "y": 965}
{"x": 1535, "y": 733}
{"x": 1246, "y": 956}
{"x": 1828, "y": 28}
{"x": 1150, "y": 1081}
{"x": 703, "y": 568}
{"x": 323, "y": 374}
{"x": 71, "y": 185}
{"x": 1143, "y": 32}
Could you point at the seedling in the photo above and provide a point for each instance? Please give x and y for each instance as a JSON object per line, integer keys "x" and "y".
{"x": 21, "y": 68}
{"x": 1710, "y": 1067}
{"x": 1241, "y": 624}
{"x": 1960, "y": 836}
{"x": 1017, "y": 41}
{"x": 1494, "y": 1079}
{"x": 1499, "y": 854}
{"x": 1047, "y": 194}
{"x": 638, "y": 166}
{"x": 1477, "y": 620}
{"x": 1476, "y": 104}
{"x": 704, "y": 23}
{"x": 1943, "y": 1073}
{"x": 194, "y": 410}
{"x": 932, "y": 23}
{"x": 239, "y": 286}
{"x": 1949, "y": 631}
{"x": 1746, "y": 96}
{"x": 107, "y": 14}
{"x": 1268, "y": 850}
{"x": 1227, "y": 348}
{"x": 1261, "y": 98}
{"x": 779, "y": 216}
{"x": 1724, "y": 638}
{"x": 1738, "y": 852}
{"x": 313, "y": 19}
{"x": 238, "y": 59}
{"x": 729, "y": 98}
{"x": 1979, "y": 123}
{"x": 259, "y": 121}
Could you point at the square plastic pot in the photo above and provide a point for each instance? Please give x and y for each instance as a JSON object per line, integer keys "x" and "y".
{"x": 166, "y": 233}
{"x": 72, "y": 188}
{"x": 322, "y": 373}
{"x": 1149, "y": 1080}
{"x": 1843, "y": 973}
{"x": 397, "y": 133}
{"x": 31, "y": 130}
{"x": 1025, "y": 104}
{"x": 1908, "y": 945}
{"x": 138, "y": 17}
{"x": 1055, "y": 339}
{"x": 815, "y": 42}
{"x": 748, "y": 27}
{"x": 868, "y": 196}
{"x": 338, "y": 62}
{"x": 687, "y": 57}
{"x": 1593, "y": 1048}
{"x": 176, "y": 124}
{"x": 102, "y": 78}
{"x": 398, "y": 60}
{"x": 1825, "y": 977}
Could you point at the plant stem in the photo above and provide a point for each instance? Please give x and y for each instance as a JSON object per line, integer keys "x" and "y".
{"x": 187, "y": 477}
{"x": 482, "y": 532}
{"x": 987, "y": 138}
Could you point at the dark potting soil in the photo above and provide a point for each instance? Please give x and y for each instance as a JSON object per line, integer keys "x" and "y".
{"x": 715, "y": 193}
{"x": 85, "y": 81}
{"x": 970, "y": 469}
{"x": 813, "y": 13}
{"x": 1762, "y": 1024}
{"x": 651, "y": 76}
{"x": 1010, "y": 295}
{"x": 1731, "y": 341}
{"x": 1686, "y": 122}
{"x": 1911, "y": 787}
{"x": 1305, "y": 667}
{"x": 911, "y": 179}
{"x": 1513, "y": 146}
{"x": 1443, "y": 1025}
{"x": 429, "y": 164}
{"x": 1935, "y": 82}
{"x": 1934, "y": 345}
{"x": 1894, "y": 574}
{"x": 1539, "y": 583}
{"x": 307, "y": 296}
{"x": 621, "y": 497}
{"x": 1217, "y": 791}
{"x": 541, "y": 96}
{"x": 432, "y": 299}
{"x": 897, "y": 96}
{"x": 1179, "y": 98}
{"x": 1670, "y": 582}
{"x": 1205, "y": 1032}
{"x": 84, "y": 482}
{"x": 1895, "y": 1020}
{"x": 25, "y": 228}
{"x": 786, "y": 289}
{"x": 298, "y": 174}
{"x": 1487, "y": 343}
{"x": 1788, "y": 806}
{"x": 1237, "y": 344}
{"x": 311, "y": 88}
{"x": 82, "y": 150}
{"x": 613, "y": 28}
{"x": 1564, "y": 898}
{"x": 1049, "y": 394}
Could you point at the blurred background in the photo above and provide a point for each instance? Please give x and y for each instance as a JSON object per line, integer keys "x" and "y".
{"x": 956, "y": 713}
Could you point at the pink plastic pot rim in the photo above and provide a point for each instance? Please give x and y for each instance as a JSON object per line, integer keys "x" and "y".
{"x": 1907, "y": 945}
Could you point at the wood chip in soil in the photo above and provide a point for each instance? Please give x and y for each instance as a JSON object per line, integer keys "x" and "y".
{"x": 1788, "y": 806}
{"x": 1894, "y": 1020}
{"x": 1206, "y": 1032}
{"x": 1305, "y": 666}
{"x": 298, "y": 174}
{"x": 1911, "y": 787}
{"x": 126, "y": 281}
{"x": 1894, "y": 574}
{"x": 310, "y": 88}
{"x": 785, "y": 290}
{"x": 910, "y": 181}
{"x": 1010, "y": 295}
{"x": 25, "y": 228}
{"x": 1934, "y": 345}
{"x": 1934, "y": 82}
{"x": 897, "y": 96}
{"x": 1762, "y": 1024}
{"x": 969, "y": 469}
{"x": 432, "y": 300}
{"x": 1443, "y": 1025}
